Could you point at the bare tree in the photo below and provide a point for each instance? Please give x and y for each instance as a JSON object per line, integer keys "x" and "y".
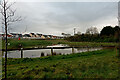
{"x": 92, "y": 30}
{"x": 8, "y": 17}
{"x": 78, "y": 33}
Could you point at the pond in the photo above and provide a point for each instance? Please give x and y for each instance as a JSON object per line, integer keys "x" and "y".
{"x": 37, "y": 53}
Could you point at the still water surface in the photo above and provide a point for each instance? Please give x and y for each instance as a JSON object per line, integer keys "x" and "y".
{"x": 37, "y": 53}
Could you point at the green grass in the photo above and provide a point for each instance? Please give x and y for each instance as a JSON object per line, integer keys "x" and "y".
{"x": 27, "y": 43}
{"x": 95, "y": 64}
{"x": 90, "y": 43}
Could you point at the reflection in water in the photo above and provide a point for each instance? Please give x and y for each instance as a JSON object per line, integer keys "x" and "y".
{"x": 60, "y": 45}
{"x": 47, "y": 52}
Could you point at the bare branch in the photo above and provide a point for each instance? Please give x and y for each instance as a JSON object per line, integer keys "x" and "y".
{"x": 2, "y": 5}
{"x": 14, "y": 20}
{"x": 8, "y": 7}
{"x": 2, "y": 13}
{"x": 10, "y": 13}
{"x": 7, "y": 13}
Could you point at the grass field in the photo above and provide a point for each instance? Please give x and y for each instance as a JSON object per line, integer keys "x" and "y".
{"x": 95, "y": 64}
{"x": 27, "y": 43}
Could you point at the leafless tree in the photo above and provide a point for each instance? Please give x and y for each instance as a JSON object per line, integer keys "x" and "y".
{"x": 8, "y": 17}
{"x": 92, "y": 30}
{"x": 78, "y": 33}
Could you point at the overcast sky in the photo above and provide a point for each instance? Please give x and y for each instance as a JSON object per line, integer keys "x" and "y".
{"x": 57, "y": 17}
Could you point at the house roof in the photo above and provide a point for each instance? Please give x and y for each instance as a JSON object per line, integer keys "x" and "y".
{"x": 32, "y": 33}
{"x": 14, "y": 33}
{"x": 45, "y": 35}
{"x": 50, "y": 35}
{"x": 26, "y": 35}
{"x": 54, "y": 36}
{"x": 39, "y": 34}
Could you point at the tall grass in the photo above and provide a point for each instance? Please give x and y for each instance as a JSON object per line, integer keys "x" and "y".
{"x": 95, "y": 64}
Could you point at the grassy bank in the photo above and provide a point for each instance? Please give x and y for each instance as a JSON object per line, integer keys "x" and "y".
{"x": 27, "y": 43}
{"x": 89, "y": 43}
{"x": 95, "y": 64}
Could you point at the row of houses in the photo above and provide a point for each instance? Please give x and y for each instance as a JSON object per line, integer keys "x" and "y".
{"x": 30, "y": 36}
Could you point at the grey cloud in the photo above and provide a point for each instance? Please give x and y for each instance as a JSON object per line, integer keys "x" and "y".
{"x": 57, "y": 17}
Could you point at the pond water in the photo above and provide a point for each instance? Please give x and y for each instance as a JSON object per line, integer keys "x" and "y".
{"x": 37, "y": 53}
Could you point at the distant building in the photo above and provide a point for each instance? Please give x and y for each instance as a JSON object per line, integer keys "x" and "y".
{"x": 46, "y": 36}
{"x": 50, "y": 36}
{"x": 32, "y": 35}
{"x": 16, "y": 35}
{"x": 8, "y": 36}
{"x": 54, "y": 37}
{"x": 66, "y": 35}
{"x": 26, "y": 36}
{"x": 38, "y": 35}
{"x": 1, "y": 35}
{"x": 43, "y": 37}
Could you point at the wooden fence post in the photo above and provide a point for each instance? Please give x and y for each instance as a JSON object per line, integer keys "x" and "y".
{"x": 87, "y": 48}
{"x": 72, "y": 49}
{"x": 21, "y": 52}
{"x": 52, "y": 51}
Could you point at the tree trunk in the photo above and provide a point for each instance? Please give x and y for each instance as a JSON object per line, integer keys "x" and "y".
{"x": 5, "y": 18}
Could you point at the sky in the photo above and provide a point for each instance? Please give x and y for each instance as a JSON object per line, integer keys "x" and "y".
{"x": 55, "y": 18}
{"x": 64, "y": 0}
